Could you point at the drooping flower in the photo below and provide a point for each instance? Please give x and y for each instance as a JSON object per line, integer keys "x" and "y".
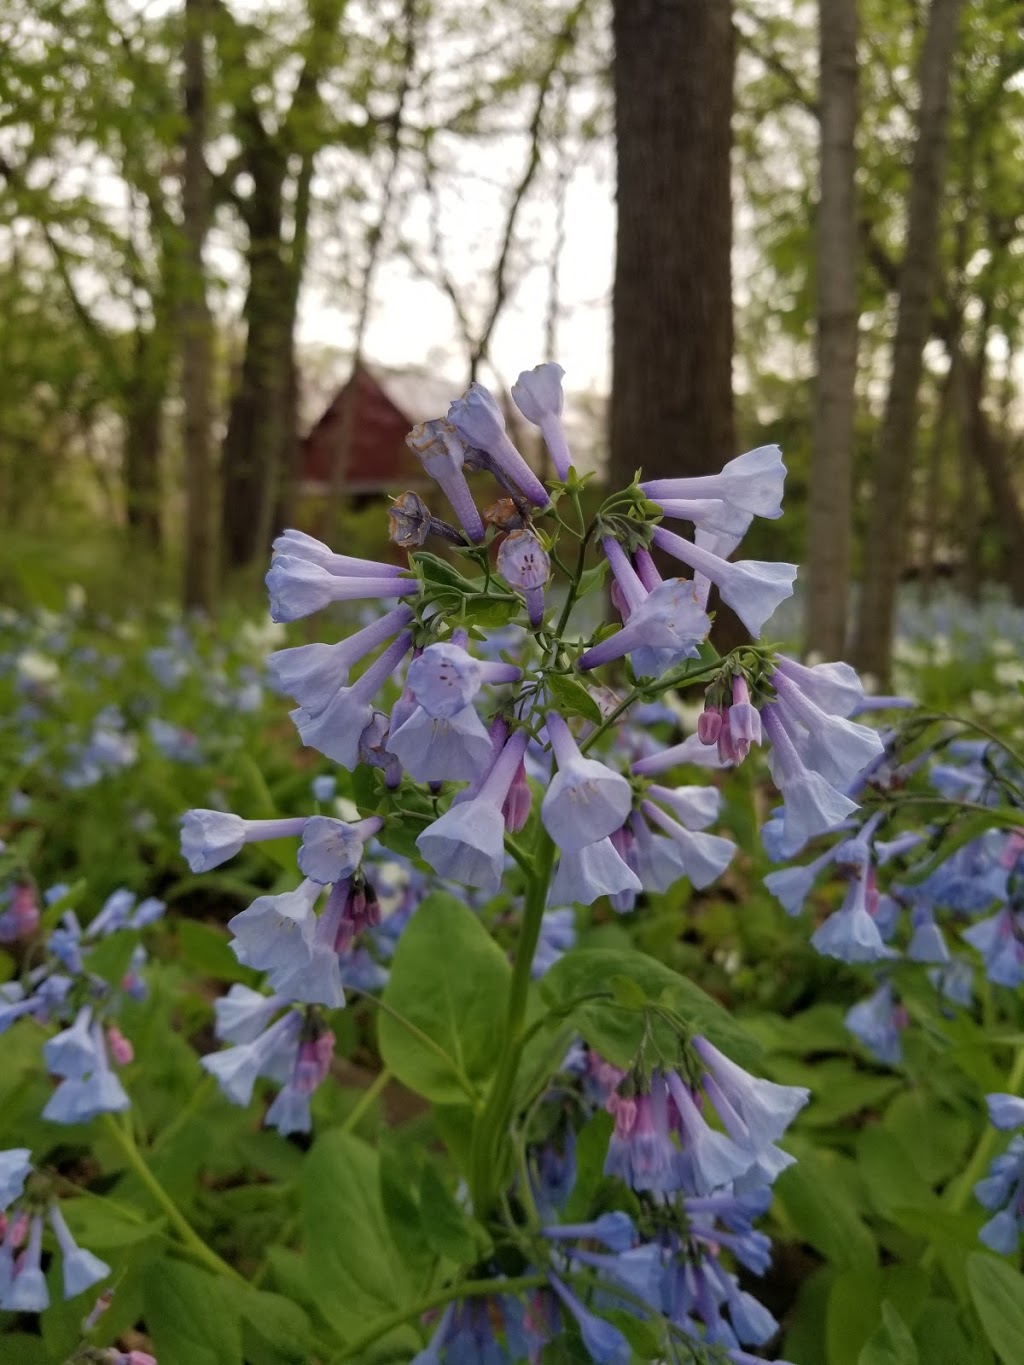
{"x": 811, "y": 805}
{"x": 336, "y": 729}
{"x": 585, "y": 800}
{"x": 877, "y": 1023}
{"x": 467, "y": 843}
{"x": 585, "y": 874}
{"x": 445, "y": 678}
{"x": 752, "y": 587}
{"x": 300, "y": 587}
{"x": 80, "y": 1268}
{"x": 479, "y": 421}
{"x": 751, "y": 482}
{"x": 331, "y": 850}
{"x": 312, "y": 674}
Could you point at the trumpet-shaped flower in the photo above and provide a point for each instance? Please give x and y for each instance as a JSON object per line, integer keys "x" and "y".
{"x": 479, "y": 421}
{"x": 15, "y": 1168}
{"x": 524, "y": 564}
{"x": 441, "y": 749}
{"x": 441, "y": 451}
{"x": 312, "y": 674}
{"x": 585, "y": 800}
{"x": 27, "y": 1291}
{"x": 336, "y": 730}
{"x": 752, "y": 483}
{"x": 585, "y": 874}
{"x": 752, "y": 587}
{"x": 811, "y": 805}
{"x": 80, "y": 1268}
{"x": 331, "y": 850}
{"x": 300, "y": 587}
{"x": 467, "y": 843}
{"x": 704, "y": 857}
{"x": 211, "y": 837}
{"x": 445, "y": 678}
{"x": 537, "y": 393}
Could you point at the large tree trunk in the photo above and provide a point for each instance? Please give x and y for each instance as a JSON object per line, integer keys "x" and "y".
{"x": 991, "y": 458}
{"x": 255, "y": 432}
{"x": 883, "y": 558}
{"x": 829, "y": 531}
{"x": 143, "y": 413}
{"x": 199, "y": 586}
{"x": 671, "y": 405}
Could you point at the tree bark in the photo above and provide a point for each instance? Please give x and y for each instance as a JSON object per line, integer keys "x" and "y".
{"x": 143, "y": 410}
{"x": 990, "y": 456}
{"x": 883, "y": 559}
{"x": 829, "y": 512}
{"x": 200, "y": 576}
{"x": 671, "y": 403}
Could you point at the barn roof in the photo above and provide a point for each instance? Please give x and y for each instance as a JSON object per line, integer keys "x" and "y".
{"x": 415, "y": 393}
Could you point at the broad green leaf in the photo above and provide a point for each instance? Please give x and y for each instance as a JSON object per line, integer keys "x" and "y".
{"x": 891, "y": 1177}
{"x": 354, "y": 1268}
{"x": 192, "y": 1316}
{"x": 204, "y": 949}
{"x": 890, "y": 1343}
{"x": 448, "y": 982}
{"x": 449, "y": 1230}
{"x": 615, "y": 1031}
{"x": 572, "y": 698}
{"x": 853, "y": 1307}
{"x": 278, "y": 1322}
{"x": 823, "y": 1214}
{"x": 942, "y": 1339}
{"x": 997, "y": 1292}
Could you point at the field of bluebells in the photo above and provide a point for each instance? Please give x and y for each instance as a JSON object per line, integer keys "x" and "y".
{"x": 562, "y": 991}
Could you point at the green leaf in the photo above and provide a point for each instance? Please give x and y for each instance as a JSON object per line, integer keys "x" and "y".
{"x": 192, "y": 1316}
{"x": 493, "y": 613}
{"x": 448, "y": 1229}
{"x": 571, "y": 698}
{"x": 449, "y": 981}
{"x": 615, "y": 1031}
{"x": 278, "y": 1322}
{"x": 355, "y": 1271}
{"x": 592, "y": 578}
{"x": 997, "y": 1292}
{"x": 890, "y": 1343}
{"x": 205, "y": 950}
{"x": 438, "y": 572}
{"x": 942, "y": 1339}
{"x": 823, "y": 1214}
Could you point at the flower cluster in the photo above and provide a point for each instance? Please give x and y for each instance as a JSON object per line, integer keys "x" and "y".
{"x": 1002, "y": 1190}
{"x": 22, "y": 1214}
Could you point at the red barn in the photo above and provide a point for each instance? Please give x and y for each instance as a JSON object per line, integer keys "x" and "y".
{"x": 387, "y": 405}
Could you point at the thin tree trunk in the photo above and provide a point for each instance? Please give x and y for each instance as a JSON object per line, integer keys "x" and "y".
{"x": 932, "y": 512}
{"x": 671, "y": 404}
{"x": 829, "y": 513}
{"x": 143, "y": 441}
{"x": 990, "y": 457}
{"x": 883, "y": 559}
{"x": 200, "y": 576}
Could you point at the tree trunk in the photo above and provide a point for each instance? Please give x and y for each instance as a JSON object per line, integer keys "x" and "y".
{"x": 990, "y": 457}
{"x": 883, "y": 559}
{"x": 932, "y": 510}
{"x": 143, "y": 411}
{"x": 200, "y": 578}
{"x": 671, "y": 405}
{"x": 255, "y": 432}
{"x": 829, "y": 513}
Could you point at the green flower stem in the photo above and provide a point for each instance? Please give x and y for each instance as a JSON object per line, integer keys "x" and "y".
{"x": 486, "y": 1167}
{"x": 468, "y": 1289}
{"x": 200, "y": 1094}
{"x": 189, "y": 1237}
{"x": 366, "y": 1101}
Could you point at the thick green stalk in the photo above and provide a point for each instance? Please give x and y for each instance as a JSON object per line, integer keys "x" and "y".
{"x": 487, "y": 1166}
{"x": 189, "y": 1237}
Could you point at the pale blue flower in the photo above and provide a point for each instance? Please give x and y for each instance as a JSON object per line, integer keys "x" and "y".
{"x": 586, "y": 874}
{"x": 479, "y": 421}
{"x": 751, "y": 482}
{"x": 331, "y": 850}
{"x": 336, "y": 729}
{"x": 537, "y": 393}
{"x": 312, "y": 674}
{"x": 211, "y": 837}
{"x": 585, "y": 800}
{"x": 442, "y": 452}
{"x": 752, "y": 587}
{"x": 80, "y": 1268}
{"x": 441, "y": 749}
{"x": 15, "y": 1168}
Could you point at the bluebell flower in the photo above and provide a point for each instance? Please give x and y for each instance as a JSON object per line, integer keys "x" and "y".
{"x": 704, "y": 857}
{"x": 537, "y": 393}
{"x": 811, "y": 805}
{"x": 927, "y": 943}
{"x": 275, "y": 933}
{"x": 467, "y": 843}
{"x": 585, "y": 800}
{"x": 751, "y": 482}
{"x": 73, "y": 1051}
{"x": 312, "y": 674}
{"x": 765, "y": 1108}
{"x": 80, "y": 1268}
{"x": 586, "y": 874}
{"x": 15, "y": 1168}
{"x": 445, "y": 678}
{"x": 638, "y": 1270}
{"x": 331, "y": 850}
{"x": 604, "y": 1342}
{"x": 709, "y": 1159}
{"x": 851, "y": 933}
{"x": 954, "y": 981}
{"x": 524, "y": 565}
{"x": 27, "y": 1291}
{"x": 640, "y": 1150}
{"x": 441, "y": 749}
{"x": 792, "y": 885}
{"x": 479, "y": 421}
{"x": 237, "y": 1068}
{"x": 752, "y": 587}
{"x": 614, "y": 1230}
{"x": 557, "y": 936}
{"x": 335, "y": 730}
{"x": 1003, "y": 1190}
{"x": 1000, "y": 941}
{"x": 79, "y": 1099}
{"x": 243, "y": 1014}
{"x": 690, "y": 750}
{"x": 211, "y": 837}
{"x": 877, "y": 1023}
{"x": 1005, "y": 1111}
{"x": 837, "y": 748}
{"x": 442, "y": 453}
